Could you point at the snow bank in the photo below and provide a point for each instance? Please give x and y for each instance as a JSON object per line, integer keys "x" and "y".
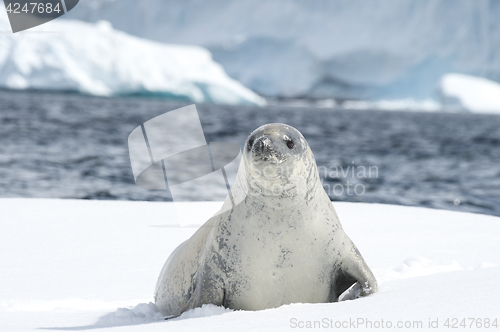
{"x": 474, "y": 94}
{"x": 99, "y": 60}
{"x": 78, "y": 265}
{"x": 146, "y": 313}
{"x": 140, "y": 314}
{"x": 356, "y": 49}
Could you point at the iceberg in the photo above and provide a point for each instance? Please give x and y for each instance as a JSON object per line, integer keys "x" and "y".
{"x": 470, "y": 93}
{"x": 97, "y": 59}
{"x": 347, "y": 50}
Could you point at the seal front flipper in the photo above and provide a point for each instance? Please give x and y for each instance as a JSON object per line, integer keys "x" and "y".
{"x": 353, "y": 270}
{"x": 209, "y": 289}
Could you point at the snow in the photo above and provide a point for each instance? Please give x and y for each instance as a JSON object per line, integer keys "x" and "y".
{"x": 345, "y": 49}
{"x": 77, "y": 264}
{"x": 474, "y": 94}
{"x": 96, "y": 59}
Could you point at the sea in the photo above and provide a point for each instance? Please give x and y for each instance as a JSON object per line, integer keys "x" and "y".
{"x": 71, "y": 146}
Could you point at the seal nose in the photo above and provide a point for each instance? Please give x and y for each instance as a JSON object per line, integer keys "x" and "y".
{"x": 261, "y": 144}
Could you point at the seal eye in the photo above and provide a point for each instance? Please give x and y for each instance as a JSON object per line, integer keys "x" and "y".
{"x": 289, "y": 142}
{"x": 250, "y": 143}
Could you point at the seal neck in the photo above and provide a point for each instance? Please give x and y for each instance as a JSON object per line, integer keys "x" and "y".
{"x": 280, "y": 195}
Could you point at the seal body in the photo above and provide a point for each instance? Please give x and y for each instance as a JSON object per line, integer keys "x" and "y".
{"x": 281, "y": 243}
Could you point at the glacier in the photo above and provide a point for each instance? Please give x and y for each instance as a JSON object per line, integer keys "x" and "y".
{"x": 342, "y": 49}
{"x": 96, "y": 59}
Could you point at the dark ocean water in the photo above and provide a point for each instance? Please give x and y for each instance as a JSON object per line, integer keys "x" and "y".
{"x": 72, "y": 146}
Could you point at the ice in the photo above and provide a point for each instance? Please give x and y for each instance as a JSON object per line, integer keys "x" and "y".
{"x": 344, "y": 49}
{"x": 424, "y": 105}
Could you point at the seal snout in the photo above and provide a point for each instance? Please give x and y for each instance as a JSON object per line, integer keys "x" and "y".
{"x": 263, "y": 149}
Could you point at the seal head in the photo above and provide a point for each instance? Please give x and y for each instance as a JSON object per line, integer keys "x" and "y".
{"x": 278, "y": 160}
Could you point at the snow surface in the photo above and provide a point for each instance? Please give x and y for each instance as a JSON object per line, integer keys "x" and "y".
{"x": 345, "y": 49}
{"x": 76, "y": 264}
{"x": 474, "y": 94}
{"x": 99, "y": 60}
